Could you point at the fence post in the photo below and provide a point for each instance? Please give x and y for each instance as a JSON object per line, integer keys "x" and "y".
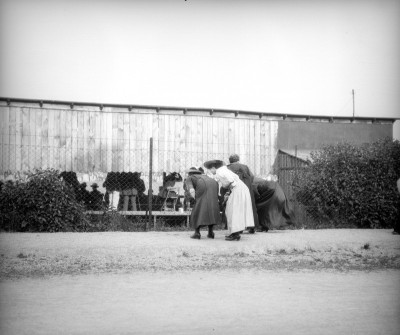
{"x": 150, "y": 184}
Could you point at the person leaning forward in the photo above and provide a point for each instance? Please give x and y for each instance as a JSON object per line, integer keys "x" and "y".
{"x": 247, "y": 177}
{"x": 206, "y": 208}
{"x": 239, "y": 211}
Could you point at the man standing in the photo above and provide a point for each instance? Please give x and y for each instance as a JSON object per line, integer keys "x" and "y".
{"x": 247, "y": 177}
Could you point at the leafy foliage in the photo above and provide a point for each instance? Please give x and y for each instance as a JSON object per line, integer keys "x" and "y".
{"x": 353, "y": 184}
{"x": 44, "y": 202}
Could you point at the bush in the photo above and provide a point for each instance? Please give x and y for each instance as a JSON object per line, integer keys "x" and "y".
{"x": 353, "y": 184}
{"x": 43, "y": 203}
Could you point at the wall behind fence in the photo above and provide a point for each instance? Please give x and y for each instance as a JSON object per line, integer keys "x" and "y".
{"x": 92, "y": 140}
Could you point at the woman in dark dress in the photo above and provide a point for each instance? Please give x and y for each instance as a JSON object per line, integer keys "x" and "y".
{"x": 206, "y": 208}
{"x": 273, "y": 207}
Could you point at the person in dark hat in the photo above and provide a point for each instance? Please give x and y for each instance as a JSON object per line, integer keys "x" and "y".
{"x": 247, "y": 177}
{"x": 96, "y": 198}
{"x": 206, "y": 208}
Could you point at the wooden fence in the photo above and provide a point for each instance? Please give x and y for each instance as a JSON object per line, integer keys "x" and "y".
{"x": 89, "y": 139}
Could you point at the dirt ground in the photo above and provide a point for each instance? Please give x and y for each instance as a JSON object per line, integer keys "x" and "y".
{"x": 280, "y": 282}
{"x": 204, "y": 302}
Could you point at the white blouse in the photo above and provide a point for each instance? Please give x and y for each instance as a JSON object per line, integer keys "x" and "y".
{"x": 226, "y": 177}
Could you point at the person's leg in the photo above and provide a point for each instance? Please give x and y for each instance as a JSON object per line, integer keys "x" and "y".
{"x": 233, "y": 237}
{"x": 210, "y": 231}
{"x": 196, "y": 234}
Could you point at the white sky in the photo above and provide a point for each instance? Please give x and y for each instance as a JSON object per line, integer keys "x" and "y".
{"x": 279, "y": 56}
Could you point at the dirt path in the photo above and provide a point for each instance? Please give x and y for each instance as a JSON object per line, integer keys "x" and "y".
{"x": 37, "y": 255}
{"x": 204, "y": 302}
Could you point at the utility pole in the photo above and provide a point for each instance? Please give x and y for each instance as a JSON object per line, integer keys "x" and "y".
{"x": 354, "y": 110}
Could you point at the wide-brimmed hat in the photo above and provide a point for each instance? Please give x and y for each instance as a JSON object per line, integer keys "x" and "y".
{"x": 94, "y": 185}
{"x": 215, "y": 162}
{"x": 193, "y": 170}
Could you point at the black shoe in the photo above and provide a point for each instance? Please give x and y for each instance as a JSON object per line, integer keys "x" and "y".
{"x": 251, "y": 231}
{"x": 196, "y": 236}
{"x": 232, "y": 237}
{"x": 261, "y": 229}
{"x": 210, "y": 235}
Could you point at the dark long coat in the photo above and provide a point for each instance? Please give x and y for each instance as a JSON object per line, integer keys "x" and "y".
{"x": 246, "y": 177}
{"x": 273, "y": 207}
{"x": 206, "y": 208}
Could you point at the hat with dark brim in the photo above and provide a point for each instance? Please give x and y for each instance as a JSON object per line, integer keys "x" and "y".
{"x": 94, "y": 185}
{"x": 193, "y": 170}
{"x": 215, "y": 162}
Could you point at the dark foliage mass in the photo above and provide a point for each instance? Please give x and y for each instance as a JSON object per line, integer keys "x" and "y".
{"x": 43, "y": 202}
{"x": 352, "y": 184}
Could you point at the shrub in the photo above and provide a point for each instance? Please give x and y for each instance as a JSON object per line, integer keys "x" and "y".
{"x": 353, "y": 184}
{"x": 43, "y": 203}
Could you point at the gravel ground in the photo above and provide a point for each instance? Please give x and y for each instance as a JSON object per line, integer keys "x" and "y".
{"x": 37, "y": 255}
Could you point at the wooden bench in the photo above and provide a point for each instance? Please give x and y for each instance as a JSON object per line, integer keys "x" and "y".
{"x": 155, "y": 214}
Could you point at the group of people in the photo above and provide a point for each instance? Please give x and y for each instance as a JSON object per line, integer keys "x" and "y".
{"x": 247, "y": 203}
{"x": 93, "y": 200}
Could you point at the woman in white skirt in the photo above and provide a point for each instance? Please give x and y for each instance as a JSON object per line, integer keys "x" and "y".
{"x": 239, "y": 210}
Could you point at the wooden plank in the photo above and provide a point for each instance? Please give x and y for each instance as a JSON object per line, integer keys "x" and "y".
{"x": 231, "y": 137}
{"x": 2, "y": 134}
{"x": 215, "y": 138}
{"x": 133, "y": 136}
{"x": 68, "y": 141}
{"x": 62, "y": 128}
{"x": 156, "y": 135}
{"x": 6, "y": 139}
{"x": 120, "y": 138}
{"x": 32, "y": 136}
{"x": 204, "y": 139}
{"x": 251, "y": 160}
{"x": 210, "y": 153}
{"x": 257, "y": 151}
{"x": 186, "y": 140}
{"x": 18, "y": 139}
{"x": 38, "y": 138}
{"x": 96, "y": 141}
{"x": 80, "y": 141}
{"x": 114, "y": 153}
{"x": 143, "y": 162}
{"x": 26, "y": 139}
{"x": 109, "y": 140}
{"x": 12, "y": 139}
{"x": 199, "y": 140}
{"x": 162, "y": 144}
{"x": 239, "y": 137}
{"x": 44, "y": 134}
{"x": 103, "y": 142}
{"x": 126, "y": 144}
{"x": 263, "y": 148}
{"x": 225, "y": 123}
{"x": 91, "y": 144}
{"x": 179, "y": 156}
{"x": 74, "y": 140}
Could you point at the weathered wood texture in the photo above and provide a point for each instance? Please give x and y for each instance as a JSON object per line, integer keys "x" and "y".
{"x": 90, "y": 140}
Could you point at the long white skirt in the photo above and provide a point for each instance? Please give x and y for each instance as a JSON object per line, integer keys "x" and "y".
{"x": 239, "y": 210}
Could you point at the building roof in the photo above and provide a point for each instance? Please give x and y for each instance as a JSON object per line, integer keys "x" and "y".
{"x": 201, "y": 111}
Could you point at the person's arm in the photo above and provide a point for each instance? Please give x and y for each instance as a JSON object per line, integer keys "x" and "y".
{"x": 190, "y": 188}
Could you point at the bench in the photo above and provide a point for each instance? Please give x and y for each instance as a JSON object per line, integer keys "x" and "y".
{"x": 146, "y": 213}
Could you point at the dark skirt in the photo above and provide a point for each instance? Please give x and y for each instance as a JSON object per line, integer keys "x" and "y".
{"x": 273, "y": 208}
{"x": 206, "y": 209}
